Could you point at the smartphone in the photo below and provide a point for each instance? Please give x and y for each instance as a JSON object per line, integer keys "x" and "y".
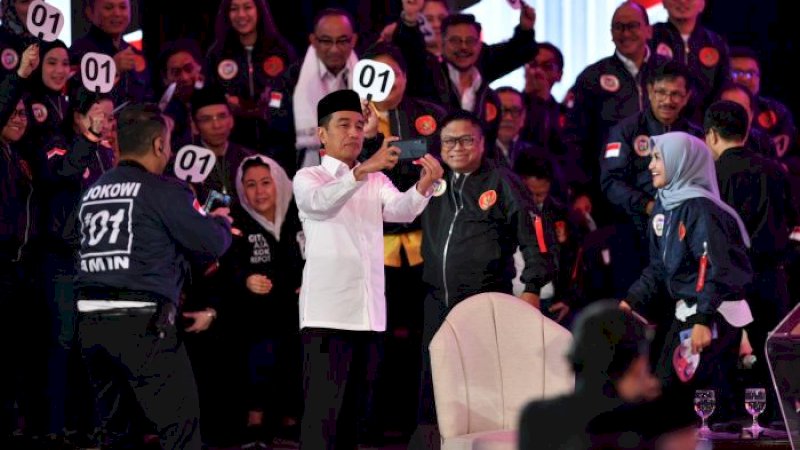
{"x": 412, "y": 148}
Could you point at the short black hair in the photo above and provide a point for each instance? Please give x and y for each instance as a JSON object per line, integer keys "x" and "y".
{"x": 327, "y": 12}
{"x": 83, "y": 99}
{"x": 729, "y": 85}
{"x": 527, "y": 165}
{"x": 171, "y": 48}
{"x": 672, "y": 70}
{"x": 390, "y": 50}
{"x": 509, "y": 90}
{"x": 636, "y": 5}
{"x": 460, "y": 19}
{"x": 743, "y": 52}
{"x": 729, "y": 119}
{"x": 465, "y": 115}
{"x": 138, "y": 126}
{"x": 555, "y": 51}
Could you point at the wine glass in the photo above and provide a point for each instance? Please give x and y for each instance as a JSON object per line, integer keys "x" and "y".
{"x": 755, "y": 401}
{"x": 704, "y": 403}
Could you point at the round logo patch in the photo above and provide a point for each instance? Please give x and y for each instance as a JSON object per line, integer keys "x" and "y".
{"x": 439, "y": 188}
{"x": 709, "y": 56}
{"x": 491, "y": 112}
{"x": 10, "y": 58}
{"x": 39, "y": 112}
{"x": 273, "y": 66}
{"x": 642, "y": 145}
{"x": 664, "y": 50}
{"x": 609, "y": 82}
{"x": 767, "y": 119}
{"x": 425, "y": 125}
{"x": 658, "y": 224}
{"x": 487, "y": 199}
{"x": 227, "y": 69}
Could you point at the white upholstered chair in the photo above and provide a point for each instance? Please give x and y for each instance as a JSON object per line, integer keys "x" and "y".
{"x": 494, "y": 354}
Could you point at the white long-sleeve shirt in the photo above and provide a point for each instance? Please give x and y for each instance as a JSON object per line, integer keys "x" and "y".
{"x": 343, "y": 282}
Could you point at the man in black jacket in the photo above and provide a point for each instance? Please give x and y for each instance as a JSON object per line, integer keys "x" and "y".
{"x": 471, "y": 232}
{"x": 756, "y": 187}
{"x": 137, "y": 230}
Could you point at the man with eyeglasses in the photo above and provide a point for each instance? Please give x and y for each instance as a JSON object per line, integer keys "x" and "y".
{"x": 213, "y": 122}
{"x": 769, "y": 115}
{"x": 470, "y": 234}
{"x": 180, "y": 64}
{"x": 610, "y": 90}
{"x": 683, "y": 39}
{"x": 624, "y": 176}
{"x": 327, "y": 67}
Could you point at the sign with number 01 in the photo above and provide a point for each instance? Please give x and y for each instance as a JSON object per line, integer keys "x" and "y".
{"x": 98, "y": 72}
{"x": 44, "y": 21}
{"x": 193, "y": 164}
{"x": 373, "y": 80}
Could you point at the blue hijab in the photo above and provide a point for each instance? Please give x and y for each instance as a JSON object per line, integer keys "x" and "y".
{"x": 690, "y": 173}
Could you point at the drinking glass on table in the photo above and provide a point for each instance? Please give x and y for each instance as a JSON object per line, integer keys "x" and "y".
{"x": 755, "y": 401}
{"x": 704, "y": 404}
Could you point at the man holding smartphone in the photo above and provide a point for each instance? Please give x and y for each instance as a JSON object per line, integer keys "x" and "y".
{"x": 342, "y": 205}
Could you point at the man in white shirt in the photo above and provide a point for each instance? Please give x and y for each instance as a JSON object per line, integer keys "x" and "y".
{"x": 343, "y": 205}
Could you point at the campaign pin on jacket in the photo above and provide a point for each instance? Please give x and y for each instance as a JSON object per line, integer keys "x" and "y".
{"x": 491, "y": 112}
{"x": 39, "y": 112}
{"x": 664, "y": 50}
{"x": 767, "y": 119}
{"x": 709, "y": 56}
{"x": 273, "y": 66}
{"x": 227, "y": 69}
{"x": 9, "y": 58}
{"x": 439, "y": 187}
{"x": 642, "y": 145}
{"x": 425, "y": 125}
{"x": 487, "y": 199}
{"x": 609, "y": 82}
{"x": 658, "y": 224}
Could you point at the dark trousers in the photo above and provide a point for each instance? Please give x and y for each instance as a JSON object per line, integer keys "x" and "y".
{"x": 434, "y": 313}
{"x": 768, "y": 297}
{"x": 127, "y": 351}
{"x": 338, "y": 366}
{"x": 715, "y": 371}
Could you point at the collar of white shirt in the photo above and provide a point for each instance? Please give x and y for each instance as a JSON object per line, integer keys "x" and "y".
{"x": 467, "y": 98}
{"x": 630, "y": 66}
{"x": 336, "y": 167}
{"x": 325, "y": 73}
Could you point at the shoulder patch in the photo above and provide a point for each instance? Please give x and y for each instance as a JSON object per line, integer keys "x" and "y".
{"x": 609, "y": 82}
{"x": 425, "y": 125}
{"x": 642, "y": 145}
{"x": 709, "y": 56}
{"x": 487, "y": 199}
{"x": 273, "y": 66}
{"x": 227, "y": 69}
{"x": 9, "y": 58}
{"x": 612, "y": 150}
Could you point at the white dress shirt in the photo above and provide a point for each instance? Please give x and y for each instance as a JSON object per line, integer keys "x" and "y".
{"x": 343, "y": 282}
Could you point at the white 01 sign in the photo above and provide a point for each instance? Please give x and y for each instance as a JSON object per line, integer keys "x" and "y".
{"x": 44, "y": 21}
{"x": 194, "y": 164}
{"x": 98, "y": 72}
{"x": 373, "y": 80}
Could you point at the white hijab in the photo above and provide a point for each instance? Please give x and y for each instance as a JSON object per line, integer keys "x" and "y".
{"x": 283, "y": 195}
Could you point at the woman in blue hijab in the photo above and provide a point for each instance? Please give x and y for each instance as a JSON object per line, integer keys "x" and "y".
{"x": 698, "y": 264}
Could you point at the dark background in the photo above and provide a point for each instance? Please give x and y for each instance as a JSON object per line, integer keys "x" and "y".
{"x": 768, "y": 26}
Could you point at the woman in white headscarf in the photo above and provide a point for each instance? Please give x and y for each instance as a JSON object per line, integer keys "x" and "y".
{"x": 266, "y": 263}
{"x": 698, "y": 263}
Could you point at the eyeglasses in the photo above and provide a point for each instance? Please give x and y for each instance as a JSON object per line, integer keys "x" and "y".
{"x": 327, "y": 42}
{"x": 621, "y": 27}
{"x": 466, "y": 141}
{"x": 19, "y": 114}
{"x": 514, "y": 111}
{"x": 674, "y": 95}
{"x": 745, "y": 74}
{"x": 547, "y": 66}
{"x": 456, "y": 41}
{"x": 205, "y": 119}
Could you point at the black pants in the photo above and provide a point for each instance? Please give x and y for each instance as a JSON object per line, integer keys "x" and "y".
{"x": 338, "y": 367}
{"x": 715, "y": 371}
{"x": 434, "y": 313}
{"x": 125, "y": 352}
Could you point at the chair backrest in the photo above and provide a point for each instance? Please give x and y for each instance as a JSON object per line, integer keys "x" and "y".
{"x": 494, "y": 354}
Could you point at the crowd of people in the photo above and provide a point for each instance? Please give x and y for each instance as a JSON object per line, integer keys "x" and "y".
{"x": 293, "y": 291}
